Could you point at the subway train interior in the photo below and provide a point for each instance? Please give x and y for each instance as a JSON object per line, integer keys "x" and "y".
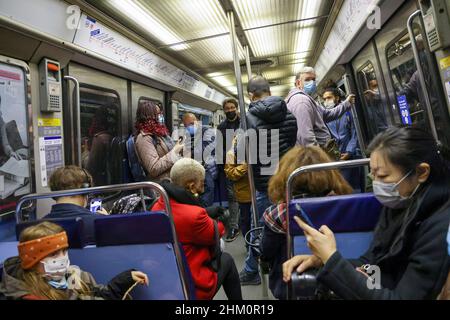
{"x": 76, "y": 76}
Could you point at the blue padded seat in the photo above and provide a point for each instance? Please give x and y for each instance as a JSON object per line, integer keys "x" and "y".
{"x": 352, "y": 218}
{"x": 156, "y": 260}
{"x": 142, "y": 241}
{"x": 74, "y": 228}
{"x": 136, "y": 228}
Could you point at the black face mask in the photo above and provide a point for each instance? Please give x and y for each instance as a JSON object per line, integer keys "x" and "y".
{"x": 231, "y": 115}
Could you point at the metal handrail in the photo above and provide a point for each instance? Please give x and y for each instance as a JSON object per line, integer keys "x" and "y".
{"x": 76, "y": 107}
{"x": 411, "y": 18}
{"x": 313, "y": 168}
{"x": 117, "y": 187}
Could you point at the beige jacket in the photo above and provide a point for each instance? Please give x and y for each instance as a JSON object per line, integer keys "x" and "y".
{"x": 156, "y": 160}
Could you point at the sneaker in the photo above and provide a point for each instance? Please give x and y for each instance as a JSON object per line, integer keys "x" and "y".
{"x": 249, "y": 279}
{"x": 232, "y": 235}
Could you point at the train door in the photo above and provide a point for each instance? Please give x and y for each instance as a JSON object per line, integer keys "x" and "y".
{"x": 371, "y": 87}
{"x": 140, "y": 93}
{"x": 16, "y": 142}
{"x": 422, "y": 108}
{"x": 103, "y": 124}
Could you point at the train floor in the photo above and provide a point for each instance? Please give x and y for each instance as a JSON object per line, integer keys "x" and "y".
{"x": 237, "y": 250}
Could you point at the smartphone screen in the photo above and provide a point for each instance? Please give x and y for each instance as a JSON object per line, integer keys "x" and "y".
{"x": 96, "y": 204}
{"x": 303, "y": 216}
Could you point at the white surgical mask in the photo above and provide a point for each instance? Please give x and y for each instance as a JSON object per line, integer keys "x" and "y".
{"x": 329, "y": 104}
{"x": 389, "y": 196}
{"x": 56, "y": 268}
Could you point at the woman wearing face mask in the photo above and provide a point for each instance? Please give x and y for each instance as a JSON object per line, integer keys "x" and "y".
{"x": 411, "y": 180}
{"x": 154, "y": 147}
{"x": 197, "y": 232}
{"x": 42, "y": 271}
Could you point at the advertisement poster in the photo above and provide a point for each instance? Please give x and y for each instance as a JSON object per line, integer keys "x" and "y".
{"x": 14, "y": 166}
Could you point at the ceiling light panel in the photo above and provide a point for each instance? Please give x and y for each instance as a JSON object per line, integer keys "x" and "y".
{"x": 211, "y": 52}
{"x": 277, "y": 39}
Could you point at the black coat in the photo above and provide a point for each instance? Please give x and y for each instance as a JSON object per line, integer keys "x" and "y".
{"x": 269, "y": 114}
{"x": 409, "y": 247}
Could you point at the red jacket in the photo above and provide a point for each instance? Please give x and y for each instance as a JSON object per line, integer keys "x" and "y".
{"x": 195, "y": 230}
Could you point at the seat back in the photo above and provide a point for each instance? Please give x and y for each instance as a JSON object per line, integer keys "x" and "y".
{"x": 141, "y": 241}
{"x": 7, "y": 250}
{"x": 74, "y": 228}
{"x": 352, "y": 218}
{"x": 137, "y": 172}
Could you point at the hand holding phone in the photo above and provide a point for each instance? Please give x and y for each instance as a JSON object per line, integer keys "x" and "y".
{"x": 303, "y": 216}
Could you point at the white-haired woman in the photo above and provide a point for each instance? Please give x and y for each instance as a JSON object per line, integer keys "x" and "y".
{"x": 195, "y": 230}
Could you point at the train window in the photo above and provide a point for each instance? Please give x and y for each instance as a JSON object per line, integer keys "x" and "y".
{"x": 100, "y": 132}
{"x": 375, "y": 110}
{"x": 14, "y": 144}
{"x": 405, "y": 77}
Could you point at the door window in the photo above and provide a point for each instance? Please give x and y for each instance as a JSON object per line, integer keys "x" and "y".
{"x": 100, "y": 134}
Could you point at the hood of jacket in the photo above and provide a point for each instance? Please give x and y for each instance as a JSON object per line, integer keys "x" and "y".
{"x": 271, "y": 109}
{"x": 180, "y": 194}
{"x": 12, "y": 286}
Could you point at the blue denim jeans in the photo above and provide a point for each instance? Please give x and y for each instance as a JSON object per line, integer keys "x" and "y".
{"x": 262, "y": 203}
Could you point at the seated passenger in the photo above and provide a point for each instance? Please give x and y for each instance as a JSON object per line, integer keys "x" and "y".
{"x": 197, "y": 232}
{"x": 313, "y": 184}
{"x": 154, "y": 146}
{"x": 411, "y": 180}
{"x": 67, "y": 178}
{"x": 42, "y": 271}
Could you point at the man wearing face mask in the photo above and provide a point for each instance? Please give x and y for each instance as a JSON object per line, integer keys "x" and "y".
{"x": 227, "y": 129}
{"x": 200, "y": 142}
{"x": 311, "y": 117}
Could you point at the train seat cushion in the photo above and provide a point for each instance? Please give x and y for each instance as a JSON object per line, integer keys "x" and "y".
{"x": 74, "y": 228}
{"x": 136, "y": 228}
{"x": 7, "y": 250}
{"x": 156, "y": 260}
{"x": 342, "y": 214}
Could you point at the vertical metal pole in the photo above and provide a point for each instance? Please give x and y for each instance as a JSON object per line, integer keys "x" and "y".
{"x": 76, "y": 106}
{"x": 423, "y": 84}
{"x": 237, "y": 71}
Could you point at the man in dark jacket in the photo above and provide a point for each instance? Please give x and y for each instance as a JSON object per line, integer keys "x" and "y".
{"x": 275, "y": 129}
{"x": 227, "y": 129}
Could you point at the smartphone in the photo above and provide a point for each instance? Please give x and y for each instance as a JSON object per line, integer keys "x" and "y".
{"x": 303, "y": 216}
{"x": 96, "y": 204}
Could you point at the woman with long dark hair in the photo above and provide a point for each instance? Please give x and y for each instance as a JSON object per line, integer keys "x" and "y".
{"x": 411, "y": 179}
{"x": 154, "y": 147}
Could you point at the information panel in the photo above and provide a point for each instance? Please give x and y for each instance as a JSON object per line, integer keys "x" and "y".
{"x": 404, "y": 110}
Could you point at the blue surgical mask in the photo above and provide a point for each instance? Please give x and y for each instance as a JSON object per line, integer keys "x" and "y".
{"x": 192, "y": 130}
{"x": 389, "y": 196}
{"x": 61, "y": 284}
{"x": 161, "y": 119}
{"x": 310, "y": 87}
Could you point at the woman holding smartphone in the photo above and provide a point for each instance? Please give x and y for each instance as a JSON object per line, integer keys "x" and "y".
{"x": 411, "y": 179}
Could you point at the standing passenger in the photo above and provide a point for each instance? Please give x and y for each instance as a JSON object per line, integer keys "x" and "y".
{"x": 227, "y": 129}
{"x": 200, "y": 144}
{"x": 344, "y": 131}
{"x": 274, "y": 126}
{"x": 154, "y": 146}
{"x": 310, "y": 116}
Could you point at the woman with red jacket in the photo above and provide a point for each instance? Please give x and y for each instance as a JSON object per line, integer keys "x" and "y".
{"x": 210, "y": 268}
